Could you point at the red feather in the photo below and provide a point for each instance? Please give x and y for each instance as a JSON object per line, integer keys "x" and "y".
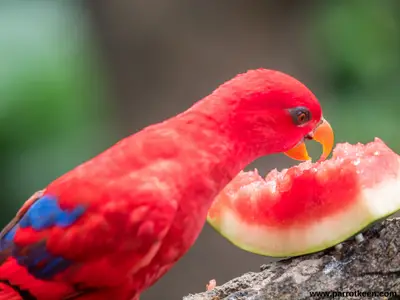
{"x": 146, "y": 198}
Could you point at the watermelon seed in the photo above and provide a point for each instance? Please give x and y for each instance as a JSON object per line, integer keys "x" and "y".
{"x": 359, "y": 238}
{"x": 339, "y": 247}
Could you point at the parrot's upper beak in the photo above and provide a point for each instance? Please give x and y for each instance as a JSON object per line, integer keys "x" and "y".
{"x": 323, "y": 134}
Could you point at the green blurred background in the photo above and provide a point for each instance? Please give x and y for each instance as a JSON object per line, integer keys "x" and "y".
{"x": 76, "y": 76}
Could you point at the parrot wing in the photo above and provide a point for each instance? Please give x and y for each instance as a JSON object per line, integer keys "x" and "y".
{"x": 119, "y": 229}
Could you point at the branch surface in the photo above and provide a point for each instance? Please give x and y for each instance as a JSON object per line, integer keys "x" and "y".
{"x": 370, "y": 266}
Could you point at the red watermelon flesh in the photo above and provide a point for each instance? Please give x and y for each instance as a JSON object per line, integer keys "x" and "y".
{"x": 311, "y": 206}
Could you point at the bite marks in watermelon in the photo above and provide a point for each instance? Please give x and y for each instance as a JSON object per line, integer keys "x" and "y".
{"x": 311, "y": 206}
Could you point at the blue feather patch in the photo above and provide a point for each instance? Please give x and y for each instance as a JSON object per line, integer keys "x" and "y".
{"x": 39, "y": 262}
{"x": 9, "y": 237}
{"x": 44, "y": 213}
{"x": 6, "y": 242}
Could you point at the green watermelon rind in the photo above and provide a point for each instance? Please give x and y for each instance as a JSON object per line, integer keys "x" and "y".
{"x": 309, "y": 251}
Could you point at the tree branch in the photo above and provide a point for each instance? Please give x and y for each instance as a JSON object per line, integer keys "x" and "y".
{"x": 370, "y": 266}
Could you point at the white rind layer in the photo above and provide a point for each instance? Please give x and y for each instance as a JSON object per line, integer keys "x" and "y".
{"x": 372, "y": 204}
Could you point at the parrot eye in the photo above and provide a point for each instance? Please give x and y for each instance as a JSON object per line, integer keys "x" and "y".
{"x": 300, "y": 115}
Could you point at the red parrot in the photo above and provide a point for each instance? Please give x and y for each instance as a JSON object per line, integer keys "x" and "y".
{"x": 112, "y": 226}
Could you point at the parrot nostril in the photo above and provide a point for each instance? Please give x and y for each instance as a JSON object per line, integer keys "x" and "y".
{"x": 308, "y": 136}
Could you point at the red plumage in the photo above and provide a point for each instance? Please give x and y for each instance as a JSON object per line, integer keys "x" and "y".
{"x": 145, "y": 199}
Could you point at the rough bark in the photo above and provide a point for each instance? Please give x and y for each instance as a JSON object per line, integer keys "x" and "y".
{"x": 367, "y": 266}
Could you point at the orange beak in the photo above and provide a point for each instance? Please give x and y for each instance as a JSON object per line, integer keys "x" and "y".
{"x": 323, "y": 134}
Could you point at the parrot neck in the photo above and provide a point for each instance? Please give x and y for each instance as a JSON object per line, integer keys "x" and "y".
{"x": 208, "y": 159}
{"x": 216, "y": 119}
{"x": 210, "y": 133}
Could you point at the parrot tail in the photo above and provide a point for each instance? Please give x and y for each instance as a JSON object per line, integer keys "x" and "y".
{"x": 17, "y": 284}
{"x": 8, "y": 292}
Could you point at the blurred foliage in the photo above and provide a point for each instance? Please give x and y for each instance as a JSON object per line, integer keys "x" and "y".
{"x": 358, "y": 46}
{"x": 53, "y": 114}
{"x": 51, "y": 110}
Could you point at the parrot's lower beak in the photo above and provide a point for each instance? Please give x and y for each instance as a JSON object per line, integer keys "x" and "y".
{"x": 323, "y": 134}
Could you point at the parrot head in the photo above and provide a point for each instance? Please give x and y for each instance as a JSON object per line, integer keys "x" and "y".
{"x": 275, "y": 113}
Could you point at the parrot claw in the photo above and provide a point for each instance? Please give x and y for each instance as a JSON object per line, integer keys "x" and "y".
{"x": 339, "y": 247}
{"x": 359, "y": 238}
{"x": 211, "y": 285}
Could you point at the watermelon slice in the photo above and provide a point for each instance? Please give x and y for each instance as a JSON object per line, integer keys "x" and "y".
{"x": 311, "y": 206}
